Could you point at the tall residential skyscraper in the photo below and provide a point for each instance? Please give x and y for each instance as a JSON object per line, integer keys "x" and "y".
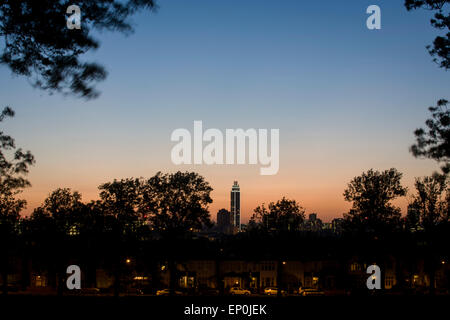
{"x": 236, "y": 205}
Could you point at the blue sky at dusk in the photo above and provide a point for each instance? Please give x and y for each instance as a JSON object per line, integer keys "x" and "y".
{"x": 345, "y": 98}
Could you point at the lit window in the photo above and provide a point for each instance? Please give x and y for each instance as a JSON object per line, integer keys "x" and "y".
{"x": 74, "y": 230}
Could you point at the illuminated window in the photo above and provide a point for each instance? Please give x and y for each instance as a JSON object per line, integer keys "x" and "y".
{"x": 74, "y": 230}
{"x": 40, "y": 281}
{"x": 355, "y": 267}
{"x": 389, "y": 282}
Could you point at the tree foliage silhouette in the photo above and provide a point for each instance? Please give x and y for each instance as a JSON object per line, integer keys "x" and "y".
{"x": 431, "y": 204}
{"x": 282, "y": 216}
{"x": 440, "y": 49}
{"x": 14, "y": 165}
{"x": 177, "y": 204}
{"x": 371, "y": 194}
{"x": 37, "y": 43}
{"x": 14, "y": 162}
{"x": 431, "y": 200}
{"x": 120, "y": 201}
{"x": 62, "y": 201}
{"x": 54, "y": 223}
{"x": 434, "y": 141}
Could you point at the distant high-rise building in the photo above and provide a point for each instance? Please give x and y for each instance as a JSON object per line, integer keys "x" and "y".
{"x": 224, "y": 221}
{"x": 236, "y": 205}
{"x": 313, "y": 223}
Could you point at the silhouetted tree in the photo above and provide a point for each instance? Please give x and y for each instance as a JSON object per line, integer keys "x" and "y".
{"x": 61, "y": 202}
{"x": 371, "y": 194}
{"x": 38, "y": 44}
{"x": 434, "y": 142}
{"x": 176, "y": 205}
{"x": 431, "y": 200}
{"x": 10, "y": 208}
{"x": 440, "y": 49}
{"x": 14, "y": 165}
{"x": 40, "y": 229}
{"x": 58, "y": 218}
{"x": 121, "y": 201}
{"x": 14, "y": 162}
{"x": 283, "y": 216}
{"x": 89, "y": 234}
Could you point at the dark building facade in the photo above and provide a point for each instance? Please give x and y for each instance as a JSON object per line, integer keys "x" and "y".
{"x": 225, "y": 221}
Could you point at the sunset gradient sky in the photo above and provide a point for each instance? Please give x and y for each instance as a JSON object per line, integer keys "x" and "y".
{"x": 346, "y": 99}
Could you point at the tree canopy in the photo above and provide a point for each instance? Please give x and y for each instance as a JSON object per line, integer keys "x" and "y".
{"x": 431, "y": 200}
{"x": 14, "y": 162}
{"x": 37, "y": 43}
{"x": 371, "y": 194}
{"x": 177, "y": 204}
{"x": 434, "y": 141}
{"x": 282, "y": 216}
{"x": 14, "y": 165}
{"x": 440, "y": 49}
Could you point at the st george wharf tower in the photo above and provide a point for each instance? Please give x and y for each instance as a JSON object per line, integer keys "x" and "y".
{"x": 236, "y": 205}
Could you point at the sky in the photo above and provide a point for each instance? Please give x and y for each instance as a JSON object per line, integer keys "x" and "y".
{"x": 345, "y": 99}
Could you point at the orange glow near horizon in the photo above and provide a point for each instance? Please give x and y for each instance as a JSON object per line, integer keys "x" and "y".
{"x": 318, "y": 192}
